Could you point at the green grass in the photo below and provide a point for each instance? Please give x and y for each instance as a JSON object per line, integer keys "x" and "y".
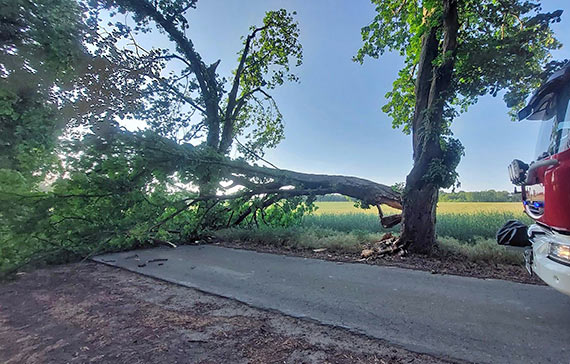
{"x": 463, "y": 227}
{"x": 481, "y": 250}
{"x": 301, "y": 238}
{"x": 346, "y": 222}
{"x": 466, "y": 227}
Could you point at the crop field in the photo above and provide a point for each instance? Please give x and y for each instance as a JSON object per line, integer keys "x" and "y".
{"x": 325, "y": 208}
{"x": 464, "y": 221}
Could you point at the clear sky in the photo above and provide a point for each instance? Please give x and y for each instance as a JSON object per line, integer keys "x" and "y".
{"x": 333, "y": 120}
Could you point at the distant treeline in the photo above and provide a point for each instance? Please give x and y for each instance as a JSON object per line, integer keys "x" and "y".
{"x": 479, "y": 196}
{"x": 461, "y": 196}
{"x": 333, "y": 198}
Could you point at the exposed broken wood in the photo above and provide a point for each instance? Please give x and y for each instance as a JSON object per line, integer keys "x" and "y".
{"x": 366, "y": 253}
{"x": 387, "y": 245}
{"x": 391, "y": 221}
{"x": 163, "y": 242}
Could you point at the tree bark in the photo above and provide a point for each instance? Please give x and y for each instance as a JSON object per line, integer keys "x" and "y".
{"x": 432, "y": 89}
{"x": 289, "y": 183}
{"x": 419, "y": 218}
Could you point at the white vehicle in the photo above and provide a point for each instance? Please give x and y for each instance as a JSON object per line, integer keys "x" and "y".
{"x": 545, "y": 187}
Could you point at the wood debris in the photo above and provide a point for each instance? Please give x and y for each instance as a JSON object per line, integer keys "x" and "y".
{"x": 366, "y": 253}
{"x": 388, "y": 244}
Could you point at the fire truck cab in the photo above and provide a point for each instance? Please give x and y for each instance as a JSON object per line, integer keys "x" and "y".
{"x": 545, "y": 186}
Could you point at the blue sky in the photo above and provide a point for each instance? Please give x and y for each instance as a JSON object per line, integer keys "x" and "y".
{"x": 333, "y": 120}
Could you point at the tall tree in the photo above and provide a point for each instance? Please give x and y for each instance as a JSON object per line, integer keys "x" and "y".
{"x": 454, "y": 52}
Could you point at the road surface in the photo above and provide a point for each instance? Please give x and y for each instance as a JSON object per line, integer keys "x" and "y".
{"x": 487, "y": 321}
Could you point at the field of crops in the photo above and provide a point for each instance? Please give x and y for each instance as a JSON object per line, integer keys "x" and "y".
{"x": 464, "y": 221}
{"x": 325, "y": 208}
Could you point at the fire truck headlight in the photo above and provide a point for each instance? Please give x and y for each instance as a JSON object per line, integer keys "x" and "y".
{"x": 560, "y": 252}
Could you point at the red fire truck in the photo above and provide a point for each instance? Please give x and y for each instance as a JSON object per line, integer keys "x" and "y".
{"x": 545, "y": 185}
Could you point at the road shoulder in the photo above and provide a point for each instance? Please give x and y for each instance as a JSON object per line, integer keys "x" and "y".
{"x": 94, "y": 313}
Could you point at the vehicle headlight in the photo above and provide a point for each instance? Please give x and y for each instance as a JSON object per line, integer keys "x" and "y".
{"x": 560, "y": 252}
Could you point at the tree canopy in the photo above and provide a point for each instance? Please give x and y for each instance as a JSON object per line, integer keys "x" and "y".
{"x": 41, "y": 46}
{"x": 454, "y": 52}
{"x": 503, "y": 47}
{"x": 185, "y": 98}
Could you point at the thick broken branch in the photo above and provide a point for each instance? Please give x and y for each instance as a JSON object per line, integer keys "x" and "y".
{"x": 369, "y": 192}
{"x": 273, "y": 184}
{"x": 388, "y": 221}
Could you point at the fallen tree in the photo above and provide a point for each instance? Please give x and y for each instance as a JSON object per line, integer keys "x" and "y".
{"x": 133, "y": 189}
{"x": 270, "y": 185}
{"x": 192, "y": 103}
{"x": 442, "y": 74}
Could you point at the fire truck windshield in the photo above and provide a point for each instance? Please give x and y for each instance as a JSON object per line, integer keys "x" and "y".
{"x": 554, "y": 135}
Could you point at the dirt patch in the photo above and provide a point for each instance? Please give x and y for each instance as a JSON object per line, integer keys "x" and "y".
{"x": 438, "y": 263}
{"x": 91, "y": 313}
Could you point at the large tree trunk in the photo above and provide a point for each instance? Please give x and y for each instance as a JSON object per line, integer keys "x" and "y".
{"x": 419, "y": 217}
{"x": 432, "y": 89}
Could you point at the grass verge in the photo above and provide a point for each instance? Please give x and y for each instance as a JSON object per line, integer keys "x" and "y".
{"x": 464, "y": 227}
{"x": 481, "y": 250}
{"x": 308, "y": 238}
{"x": 301, "y": 238}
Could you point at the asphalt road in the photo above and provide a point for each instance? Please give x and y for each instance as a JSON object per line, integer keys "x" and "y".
{"x": 487, "y": 321}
